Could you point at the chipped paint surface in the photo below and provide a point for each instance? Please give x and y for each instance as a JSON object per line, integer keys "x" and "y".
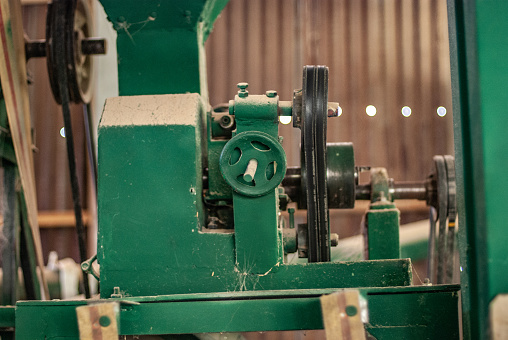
{"x": 170, "y": 109}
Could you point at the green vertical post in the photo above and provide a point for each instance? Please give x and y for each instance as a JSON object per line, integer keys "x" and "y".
{"x": 478, "y": 33}
{"x": 382, "y": 220}
{"x": 382, "y": 228}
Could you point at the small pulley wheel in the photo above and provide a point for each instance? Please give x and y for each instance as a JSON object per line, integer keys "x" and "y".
{"x": 341, "y": 175}
{"x": 314, "y": 117}
{"x": 70, "y": 19}
{"x": 253, "y": 163}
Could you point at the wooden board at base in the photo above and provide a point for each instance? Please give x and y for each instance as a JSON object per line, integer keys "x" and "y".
{"x": 15, "y": 91}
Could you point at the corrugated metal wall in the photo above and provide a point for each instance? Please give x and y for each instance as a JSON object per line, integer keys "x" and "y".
{"x": 386, "y": 53}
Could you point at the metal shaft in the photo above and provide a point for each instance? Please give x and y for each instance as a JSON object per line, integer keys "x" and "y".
{"x": 89, "y": 46}
{"x": 400, "y": 190}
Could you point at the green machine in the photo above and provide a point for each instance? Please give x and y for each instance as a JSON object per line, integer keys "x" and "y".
{"x": 191, "y": 236}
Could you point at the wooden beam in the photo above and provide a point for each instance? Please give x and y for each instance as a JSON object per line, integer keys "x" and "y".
{"x": 58, "y": 219}
{"x": 34, "y": 2}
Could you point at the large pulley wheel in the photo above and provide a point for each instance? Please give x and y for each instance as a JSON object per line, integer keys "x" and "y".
{"x": 253, "y": 163}
{"x": 313, "y": 124}
{"x": 72, "y": 21}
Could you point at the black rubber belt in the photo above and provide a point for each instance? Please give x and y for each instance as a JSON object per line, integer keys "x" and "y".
{"x": 61, "y": 28}
{"x": 314, "y": 119}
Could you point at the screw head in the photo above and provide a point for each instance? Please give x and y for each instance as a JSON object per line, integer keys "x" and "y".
{"x": 271, "y": 94}
{"x": 104, "y": 321}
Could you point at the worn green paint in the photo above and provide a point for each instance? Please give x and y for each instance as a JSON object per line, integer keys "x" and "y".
{"x": 152, "y": 238}
{"x": 7, "y": 314}
{"x": 176, "y": 62}
{"x": 412, "y": 313}
{"x": 479, "y": 49}
{"x": 218, "y": 189}
{"x": 382, "y": 231}
{"x": 150, "y": 207}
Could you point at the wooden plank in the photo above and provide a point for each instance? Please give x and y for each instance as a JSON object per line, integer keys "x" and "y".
{"x": 408, "y": 90}
{"x": 58, "y": 219}
{"x": 392, "y": 83}
{"x": 34, "y": 2}
{"x": 98, "y": 321}
{"x": 15, "y": 89}
{"x": 342, "y": 315}
{"x": 424, "y": 129}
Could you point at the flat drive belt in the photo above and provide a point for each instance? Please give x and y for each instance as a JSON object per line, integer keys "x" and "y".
{"x": 314, "y": 119}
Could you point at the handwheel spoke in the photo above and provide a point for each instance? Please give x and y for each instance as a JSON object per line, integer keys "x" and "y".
{"x": 238, "y": 168}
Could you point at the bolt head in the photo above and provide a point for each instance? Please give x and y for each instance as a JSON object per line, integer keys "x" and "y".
{"x": 271, "y": 94}
{"x": 243, "y": 94}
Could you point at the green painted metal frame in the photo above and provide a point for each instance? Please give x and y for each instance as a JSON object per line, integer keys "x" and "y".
{"x": 258, "y": 243}
{"x": 412, "y": 313}
{"x": 178, "y": 64}
{"x": 479, "y": 50}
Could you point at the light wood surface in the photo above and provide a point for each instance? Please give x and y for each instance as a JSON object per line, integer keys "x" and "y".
{"x": 15, "y": 91}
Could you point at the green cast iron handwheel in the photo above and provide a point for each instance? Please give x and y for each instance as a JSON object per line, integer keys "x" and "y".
{"x": 253, "y": 163}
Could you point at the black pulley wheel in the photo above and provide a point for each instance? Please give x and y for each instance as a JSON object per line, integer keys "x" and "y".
{"x": 313, "y": 124}
{"x": 73, "y": 20}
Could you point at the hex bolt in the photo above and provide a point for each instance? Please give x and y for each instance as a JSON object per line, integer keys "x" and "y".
{"x": 248, "y": 176}
{"x": 242, "y": 93}
{"x": 271, "y": 94}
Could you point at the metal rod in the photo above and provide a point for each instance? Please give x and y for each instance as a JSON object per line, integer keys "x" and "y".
{"x": 250, "y": 172}
{"x": 409, "y": 190}
{"x": 89, "y": 46}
